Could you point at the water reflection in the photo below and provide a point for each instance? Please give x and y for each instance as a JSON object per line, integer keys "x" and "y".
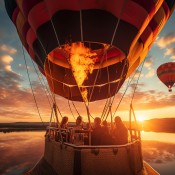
{"x": 20, "y": 151}
{"x": 160, "y": 155}
{"x": 161, "y": 137}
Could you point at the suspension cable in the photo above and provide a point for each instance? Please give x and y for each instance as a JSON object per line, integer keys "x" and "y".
{"x": 41, "y": 84}
{"x": 127, "y": 86}
{"x": 109, "y": 94}
{"x": 137, "y": 81}
{"x": 116, "y": 27}
{"x": 50, "y": 93}
{"x": 31, "y": 86}
{"x": 71, "y": 109}
{"x": 81, "y": 25}
{"x": 109, "y": 105}
{"x": 119, "y": 80}
{"x": 51, "y": 117}
{"x": 109, "y": 98}
{"x": 45, "y": 85}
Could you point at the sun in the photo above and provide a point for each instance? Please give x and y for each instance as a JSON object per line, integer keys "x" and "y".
{"x": 141, "y": 119}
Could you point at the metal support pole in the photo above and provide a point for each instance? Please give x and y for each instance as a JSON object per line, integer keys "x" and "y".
{"x": 56, "y": 114}
{"x": 89, "y": 120}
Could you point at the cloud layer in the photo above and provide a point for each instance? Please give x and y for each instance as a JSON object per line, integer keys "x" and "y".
{"x": 167, "y": 43}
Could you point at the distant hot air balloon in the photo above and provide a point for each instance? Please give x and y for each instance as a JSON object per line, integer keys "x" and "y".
{"x": 116, "y": 33}
{"x": 166, "y": 74}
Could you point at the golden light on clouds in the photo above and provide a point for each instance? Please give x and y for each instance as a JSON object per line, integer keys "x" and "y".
{"x": 151, "y": 73}
{"x": 167, "y": 40}
{"x": 6, "y": 59}
{"x": 8, "y": 49}
{"x": 171, "y": 52}
{"x": 8, "y": 68}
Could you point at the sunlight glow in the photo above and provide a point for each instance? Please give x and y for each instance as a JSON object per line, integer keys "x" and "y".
{"x": 141, "y": 118}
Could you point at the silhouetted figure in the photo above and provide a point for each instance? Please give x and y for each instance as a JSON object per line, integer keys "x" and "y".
{"x": 107, "y": 138}
{"x": 79, "y": 123}
{"x": 120, "y": 132}
{"x": 77, "y": 135}
{"x": 97, "y": 132}
{"x": 99, "y": 135}
{"x": 64, "y": 122}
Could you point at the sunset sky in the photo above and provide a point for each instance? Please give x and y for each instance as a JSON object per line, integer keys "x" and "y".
{"x": 151, "y": 100}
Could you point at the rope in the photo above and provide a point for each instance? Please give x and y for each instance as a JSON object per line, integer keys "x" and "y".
{"x": 75, "y": 108}
{"x": 104, "y": 109}
{"x": 55, "y": 32}
{"x": 117, "y": 87}
{"x": 81, "y": 25}
{"x": 128, "y": 84}
{"x": 48, "y": 90}
{"x": 49, "y": 61}
{"x": 51, "y": 117}
{"x": 97, "y": 73}
{"x": 31, "y": 86}
{"x": 41, "y": 84}
{"x": 71, "y": 110}
{"x": 137, "y": 81}
{"x": 109, "y": 105}
{"x": 50, "y": 93}
{"x": 109, "y": 95}
{"x": 116, "y": 27}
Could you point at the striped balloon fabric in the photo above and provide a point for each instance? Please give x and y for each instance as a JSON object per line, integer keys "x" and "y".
{"x": 119, "y": 32}
{"x": 166, "y": 74}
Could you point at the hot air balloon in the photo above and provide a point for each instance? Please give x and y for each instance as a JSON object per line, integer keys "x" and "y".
{"x": 119, "y": 34}
{"x": 87, "y": 49}
{"x": 166, "y": 74}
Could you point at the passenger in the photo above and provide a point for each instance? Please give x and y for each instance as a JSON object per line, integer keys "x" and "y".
{"x": 88, "y": 129}
{"x": 105, "y": 125}
{"x": 107, "y": 138}
{"x": 64, "y": 130}
{"x": 88, "y": 126}
{"x": 120, "y": 132}
{"x": 79, "y": 123}
{"x": 97, "y": 133}
{"x": 64, "y": 122}
{"x": 77, "y": 136}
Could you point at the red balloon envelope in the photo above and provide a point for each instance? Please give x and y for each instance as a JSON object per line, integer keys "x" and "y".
{"x": 166, "y": 74}
{"x": 119, "y": 32}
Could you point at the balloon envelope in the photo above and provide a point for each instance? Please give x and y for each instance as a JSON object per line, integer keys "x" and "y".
{"x": 119, "y": 32}
{"x": 166, "y": 74}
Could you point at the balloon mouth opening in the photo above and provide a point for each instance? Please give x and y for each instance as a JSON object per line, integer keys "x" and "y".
{"x": 104, "y": 54}
{"x": 82, "y": 58}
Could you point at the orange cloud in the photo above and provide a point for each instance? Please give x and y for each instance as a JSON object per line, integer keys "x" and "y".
{"x": 166, "y": 40}
{"x": 170, "y": 52}
{"x": 8, "y": 49}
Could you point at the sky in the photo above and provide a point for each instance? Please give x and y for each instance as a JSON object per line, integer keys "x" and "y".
{"x": 17, "y": 104}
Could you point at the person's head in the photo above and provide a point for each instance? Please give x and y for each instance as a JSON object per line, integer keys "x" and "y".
{"x": 79, "y": 120}
{"x": 97, "y": 122}
{"x": 105, "y": 123}
{"x": 64, "y": 120}
{"x": 117, "y": 120}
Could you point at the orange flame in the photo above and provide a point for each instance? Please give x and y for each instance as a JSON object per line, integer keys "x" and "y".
{"x": 82, "y": 61}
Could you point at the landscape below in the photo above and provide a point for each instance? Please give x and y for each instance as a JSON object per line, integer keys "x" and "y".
{"x": 154, "y": 125}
